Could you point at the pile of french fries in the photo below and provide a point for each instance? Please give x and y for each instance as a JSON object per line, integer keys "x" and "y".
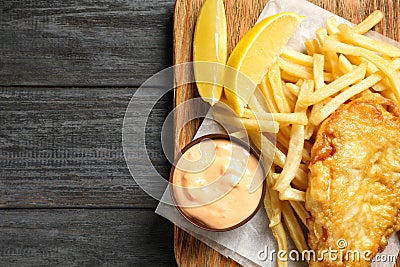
{"x": 299, "y": 92}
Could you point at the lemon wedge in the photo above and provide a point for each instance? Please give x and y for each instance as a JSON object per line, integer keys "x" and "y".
{"x": 210, "y": 50}
{"x": 254, "y": 54}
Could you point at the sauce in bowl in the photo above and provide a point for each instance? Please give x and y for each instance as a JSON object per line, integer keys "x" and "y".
{"x": 217, "y": 183}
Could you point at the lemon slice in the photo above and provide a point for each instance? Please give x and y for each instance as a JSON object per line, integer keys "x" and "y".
{"x": 254, "y": 54}
{"x": 210, "y": 50}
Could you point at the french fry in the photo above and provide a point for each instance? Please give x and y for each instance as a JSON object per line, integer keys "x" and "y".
{"x": 297, "y": 57}
{"x": 274, "y": 198}
{"x": 351, "y": 37}
{"x": 269, "y": 150}
{"x": 289, "y": 78}
{"x": 280, "y": 145}
{"x": 276, "y": 209}
{"x": 295, "y": 69}
{"x": 328, "y": 77}
{"x": 292, "y": 194}
{"x": 293, "y": 88}
{"x": 303, "y": 167}
{"x": 228, "y": 120}
{"x": 283, "y": 139}
{"x": 266, "y": 89}
{"x": 355, "y": 60}
{"x": 344, "y": 64}
{"x": 277, "y": 230}
{"x": 258, "y": 103}
{"x": 273, "y": 208}
{"x": 293, "y": 227}
{"x": 384, "y": 65}
{"x": 318, "y": 68}
{"x": 312, "y": 47}
{"x": 296, "y": 144}
{"x": 300, "y": 210}
{"x": 380, "y": 86}
{"x": 338, "y": 100}
{"x": 289, "y": 118}
{"x": 289, "y": 96}
{"x": 291, "y": 104}
{"x": 308, "y": 146}
{"x": 336, "y": 86}
{"x": 332, "y": 26}
{"x": 321, "y": 34}
{"x": 300, "y": 180}
{"x": 306, "y": 92}
{"x": 311, "y": 127}
{"x": 369, "y": 22}
{"x": 371, "y": 68}
{"x": 271, "y": 125}
{"x": 260, "y": 125}
{"x": 248, "y": 113}
{"x": 239, "y": 134}
{"x": 296, "y": 72}
{"x": 305, "y": 155}
{"x": 385, "y": 84}
{"x": 274, "y": 76}
{"x": 389, "y": 94}
{"x": 309, "y": 131}
{"x": 279, "y": 233}
{"x": 299, "y": 118}
{"x": 285, "y": 131}
{"x": 318, "y": 71}
{"x": 332, "y": 59}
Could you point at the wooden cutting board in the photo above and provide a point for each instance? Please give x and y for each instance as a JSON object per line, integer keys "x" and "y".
{"x": 241, "y": 16}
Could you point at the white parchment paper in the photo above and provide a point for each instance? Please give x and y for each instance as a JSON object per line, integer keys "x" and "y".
{"x": 253, "y": 243}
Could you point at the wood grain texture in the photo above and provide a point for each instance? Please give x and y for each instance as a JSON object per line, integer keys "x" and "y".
{"x": 61, "y": 147}
{"x": 76, "y": 237}
{"x": 77, "y": 43}
{"x": 64, "y": 71}
{"x": 398, "y": 260}
{"x": 241, "y": 15}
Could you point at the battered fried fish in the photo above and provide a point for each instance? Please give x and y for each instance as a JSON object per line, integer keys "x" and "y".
{"x": 353, "y": 193}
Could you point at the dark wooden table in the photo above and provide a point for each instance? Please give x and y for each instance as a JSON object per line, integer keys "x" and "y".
{"x": 68, "y": 69}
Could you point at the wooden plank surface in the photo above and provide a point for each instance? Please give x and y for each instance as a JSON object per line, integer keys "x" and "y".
{"x": 77, "y": 43}
{"x": 65, "y": 68}
{"x": 61, "y": 147}
{"x": 85, "y": 237}
{"x": 241, "y": 15}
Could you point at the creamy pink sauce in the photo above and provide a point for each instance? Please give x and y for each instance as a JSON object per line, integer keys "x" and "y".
{"x": 216, "y": 188}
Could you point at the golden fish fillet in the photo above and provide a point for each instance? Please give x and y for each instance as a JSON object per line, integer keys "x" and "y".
{"x": 353, "y": 193}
